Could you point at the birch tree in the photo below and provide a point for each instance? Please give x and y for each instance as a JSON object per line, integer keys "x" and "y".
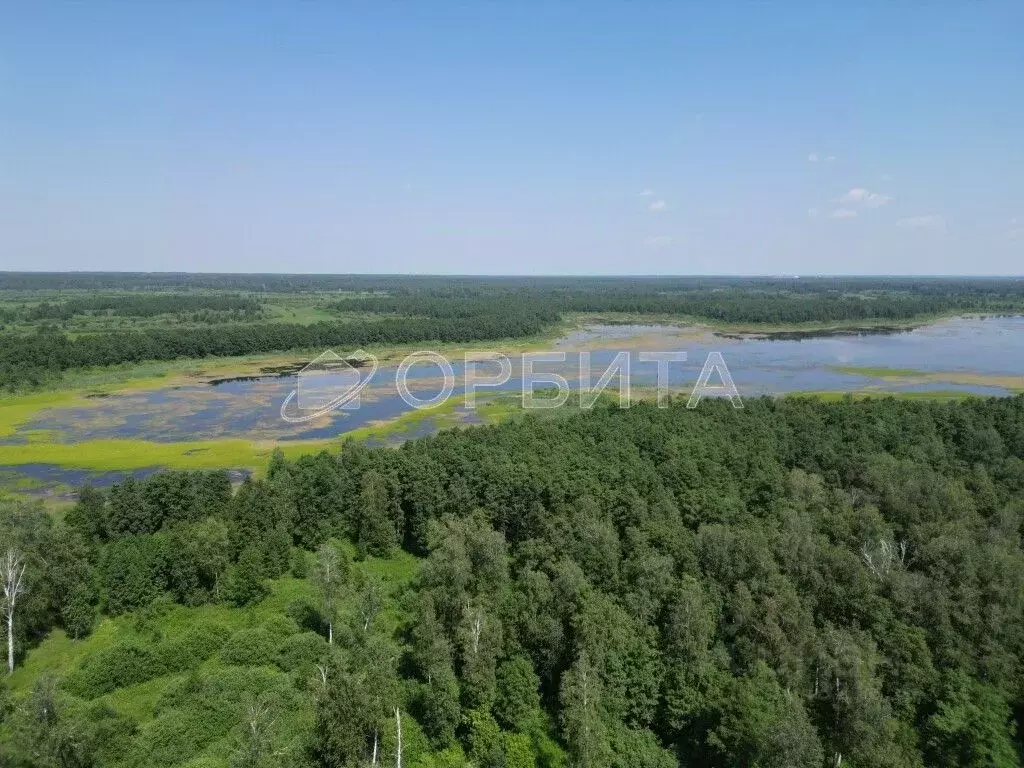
{"x": 330, "y": 576}
{"x": 369, "y": 600}
{"x": 255, "y": 741}
{"x": 582, "y": 722}
{"x": 398, "y": 737}
{"x": 12, "y": 571}
{"x": 481, "y": 642}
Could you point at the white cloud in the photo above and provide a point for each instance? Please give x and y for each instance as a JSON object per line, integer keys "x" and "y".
{"x": 658, "y": 205}
{"x": 658, "y": 240}
{"x": 647, "y": 193}
{"x": 813, "y": 157}
{"x": 812, "y": 212}
{"x": 843, "y": 213}
{"x": 864, "y": 198}
{"x": 830, "y": 159}
{"x": 929, "y": 222}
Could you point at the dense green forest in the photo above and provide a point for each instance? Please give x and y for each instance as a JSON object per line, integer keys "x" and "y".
{"x": 28, "y": 360}
{"x": 727, "y": 305}
{"x": 386, "y": 310}
{"x": 794, "y": 584}
{"x": 143, "y": 305}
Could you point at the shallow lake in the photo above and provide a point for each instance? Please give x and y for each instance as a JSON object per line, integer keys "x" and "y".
{"x": 251, "y": 408}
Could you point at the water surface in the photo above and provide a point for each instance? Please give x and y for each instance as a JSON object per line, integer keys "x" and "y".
{"x": 250, "y": 408}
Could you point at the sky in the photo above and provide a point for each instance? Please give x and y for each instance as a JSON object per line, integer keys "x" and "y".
{"x": 485, "y": 137}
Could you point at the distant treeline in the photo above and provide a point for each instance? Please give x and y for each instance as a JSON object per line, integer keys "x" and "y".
{"x": 28, "y": 360}
{"x": 737, "y": 306}
{"x": 459, "y": 284}
{"x": 142, "y": 305}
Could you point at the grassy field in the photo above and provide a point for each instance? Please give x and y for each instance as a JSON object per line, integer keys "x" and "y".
{"x": 125, "y": 454}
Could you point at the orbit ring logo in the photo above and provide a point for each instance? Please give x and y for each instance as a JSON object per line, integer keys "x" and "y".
{"x": 328, "y": 383}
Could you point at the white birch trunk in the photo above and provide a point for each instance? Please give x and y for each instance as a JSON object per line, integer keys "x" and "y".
{"x": 398, "y": 728}
{"x": 12, "y": 575}
{"x": 10, "y": 642}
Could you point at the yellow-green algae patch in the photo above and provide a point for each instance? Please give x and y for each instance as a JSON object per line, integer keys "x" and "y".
{"x": 123, "y": 454}
{"x": 914, "y": 376}
{"x": 15, "y": 410}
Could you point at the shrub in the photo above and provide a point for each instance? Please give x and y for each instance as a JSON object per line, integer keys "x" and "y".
{"x": 300, "y": 564}
{"x": 194, "y": 647}
{"x": 452, "y": 757}
{"x": 305, "y": 613}
{"x": 300, "y": 653}
{"x": 220, "y": 691}
{"x": 177, "y": 735}
{"x": 202, "y": 709}
{"x": 112, "y": 734}
{"x": 280, "y": 626}
{"x": 205, "y": 762}
{"x": 115, "y": 667}
{"x": 519, "y": 751}
{"x": 250, "y": 648}
{"x": 245, "y": 583}
{"x": 77, "y": 611}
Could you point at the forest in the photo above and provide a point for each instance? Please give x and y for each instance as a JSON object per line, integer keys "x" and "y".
{"x": 312, "y": 283}
{"x": 351, "y": 311}
{"x": 30, "y": 360}
{"x": 796, "y": 584}
{"x": 728, "y": 305}
{"x": 143, "y": 305}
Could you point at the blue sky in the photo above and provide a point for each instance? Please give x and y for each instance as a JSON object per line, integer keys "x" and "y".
{"x": 500, "y": 137}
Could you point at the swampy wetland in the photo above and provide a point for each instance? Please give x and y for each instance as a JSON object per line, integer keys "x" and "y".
{"x": 227, "y": 412}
